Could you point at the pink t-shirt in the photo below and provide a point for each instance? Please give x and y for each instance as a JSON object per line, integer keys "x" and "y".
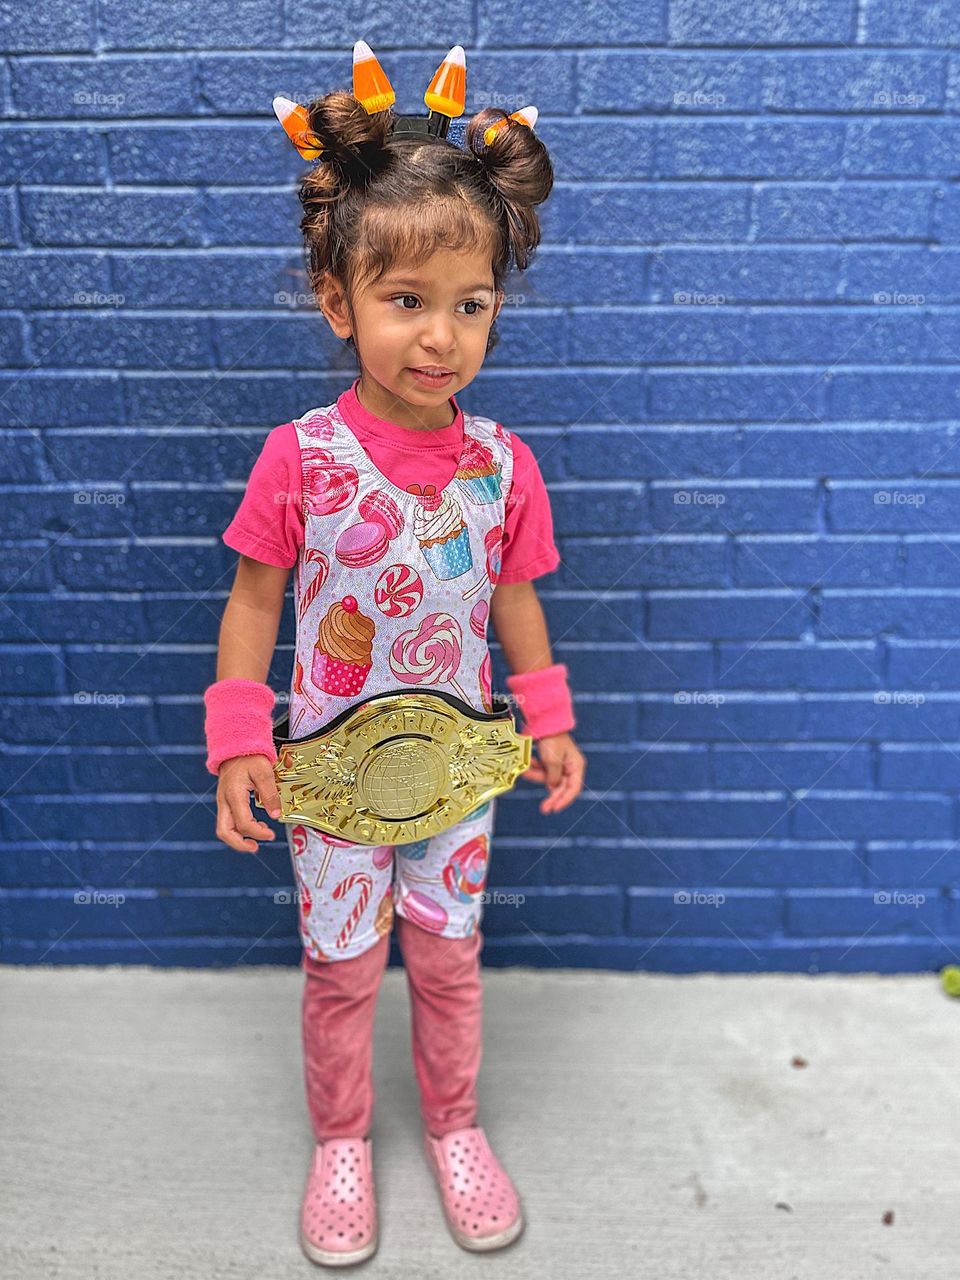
{"x": 268, "y": 524}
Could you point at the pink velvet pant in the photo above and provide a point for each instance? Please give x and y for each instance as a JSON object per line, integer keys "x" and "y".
{"x": 339, "y": 1002}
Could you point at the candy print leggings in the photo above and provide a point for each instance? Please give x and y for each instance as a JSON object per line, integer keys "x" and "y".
{"x": 348, "y": 893}
{"x": 441, "y": 956}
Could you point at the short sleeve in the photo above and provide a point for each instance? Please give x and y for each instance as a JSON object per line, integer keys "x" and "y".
{"x": 268, "y": 524}
{"x": 528, "y": 546}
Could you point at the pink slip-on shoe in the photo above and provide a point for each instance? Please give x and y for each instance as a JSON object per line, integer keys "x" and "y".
{"x": 479, "y": 1201}
{"x": 338, "y": 1221}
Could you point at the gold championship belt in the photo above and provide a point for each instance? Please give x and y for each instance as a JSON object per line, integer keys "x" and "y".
{"x": 400, "y": 766}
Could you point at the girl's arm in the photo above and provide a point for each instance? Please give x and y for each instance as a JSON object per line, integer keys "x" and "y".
{"x": 251, "y": 620}
{"x": 518, "y": 620}
{"x": 248, "y": 636}
{"x": 521, "y": 628}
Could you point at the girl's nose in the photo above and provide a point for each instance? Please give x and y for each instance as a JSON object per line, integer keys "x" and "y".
{"x": 438, "y": 335}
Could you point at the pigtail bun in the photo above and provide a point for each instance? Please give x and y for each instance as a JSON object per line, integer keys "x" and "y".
{"x": 353, "y": 152}
{"x": 518, "y": 169}
{"x": 353, "y": 142}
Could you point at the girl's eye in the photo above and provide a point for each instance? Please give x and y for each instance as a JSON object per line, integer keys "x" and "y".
{"x": 471, "y": 302}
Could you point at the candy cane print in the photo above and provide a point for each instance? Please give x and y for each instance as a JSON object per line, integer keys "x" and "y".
{"x": 322, "y": 873}
{"x": 343, "y": 888}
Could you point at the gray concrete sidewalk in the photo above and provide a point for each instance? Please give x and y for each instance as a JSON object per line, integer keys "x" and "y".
{"x": 154, "y": 1125}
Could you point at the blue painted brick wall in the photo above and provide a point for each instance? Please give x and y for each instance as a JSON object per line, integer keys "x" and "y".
{"x": 735, "y": 356}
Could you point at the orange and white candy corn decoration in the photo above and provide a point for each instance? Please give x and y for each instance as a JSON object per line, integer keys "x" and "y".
{"x": 371, "y": 87}
{"x": 447, "y": 92}
{"x": 526, "y": 115}
{"x": 296, "y": 123}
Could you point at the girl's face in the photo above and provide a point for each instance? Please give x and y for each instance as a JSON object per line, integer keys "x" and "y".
{"x": 437, "y": 314}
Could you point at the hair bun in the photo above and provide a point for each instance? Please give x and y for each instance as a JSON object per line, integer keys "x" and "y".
{"x": 518, "y": 169}
{"x": 352, "y": 139}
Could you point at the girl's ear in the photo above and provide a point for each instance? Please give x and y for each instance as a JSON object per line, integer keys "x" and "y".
{"x": 333, "y": 303}
{"x": 498, "y": 304}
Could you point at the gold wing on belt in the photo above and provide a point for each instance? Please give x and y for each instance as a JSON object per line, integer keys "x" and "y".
{"x": 400, "y": 766}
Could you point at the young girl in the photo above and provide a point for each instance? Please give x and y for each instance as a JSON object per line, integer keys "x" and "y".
{"x": 410, "y": 525}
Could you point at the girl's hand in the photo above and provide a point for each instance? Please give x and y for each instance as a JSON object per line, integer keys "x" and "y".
{"x": 561, "y": 765}
{"x": 236, "y": 825}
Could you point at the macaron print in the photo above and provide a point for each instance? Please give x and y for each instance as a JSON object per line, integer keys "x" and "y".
{"x": 478, "y": 618}
{"x": 365, "y": 543}
{"x": 415, "y": 851}
{"x": 424, "y": 911}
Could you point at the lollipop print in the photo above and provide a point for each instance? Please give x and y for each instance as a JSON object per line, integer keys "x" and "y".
{"x": 298, "y": 688}
{"x": 331, "y": 843}
{"x": 298, "y": 840}
{"x": 399, "y": 591}
{"x": 317, "y": 427}
{"x": 486, "y": 682}
{"x": 430, "y": 654}
{"x": 384, "y": 919}
{"x": 328, "y": 486}
{"x": 492, "y": 545}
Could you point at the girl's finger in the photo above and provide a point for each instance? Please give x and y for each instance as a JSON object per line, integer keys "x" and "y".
{"x": 566, "y": 790}
{"x": 227, "y": 832}
{"x": 536, "y": 772}
{"x": 244, "y": 823}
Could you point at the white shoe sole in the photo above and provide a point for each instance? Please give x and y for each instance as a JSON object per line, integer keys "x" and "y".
{"x": 483, "y": 1244}
{"x": 333, "y": 1258}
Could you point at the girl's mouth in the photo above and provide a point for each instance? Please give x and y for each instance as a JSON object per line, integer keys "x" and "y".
{"x": 431, "y": 379}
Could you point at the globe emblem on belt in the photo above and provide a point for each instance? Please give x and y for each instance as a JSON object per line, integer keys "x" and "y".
{"x": 403, "y": 778}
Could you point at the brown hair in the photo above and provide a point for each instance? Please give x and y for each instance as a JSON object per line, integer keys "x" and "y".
{"x": 374, "y": 199}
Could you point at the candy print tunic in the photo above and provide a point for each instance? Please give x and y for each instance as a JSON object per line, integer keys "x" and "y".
{"x": 392, "y": 591}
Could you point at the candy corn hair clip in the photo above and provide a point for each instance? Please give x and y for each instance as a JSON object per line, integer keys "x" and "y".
{"x": 445, "y": 98}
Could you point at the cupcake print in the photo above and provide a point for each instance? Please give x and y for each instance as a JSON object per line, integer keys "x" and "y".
{"x": 478, "y": 472}
{"x": 342, "y": 655}
{"x": 443, "y": 537}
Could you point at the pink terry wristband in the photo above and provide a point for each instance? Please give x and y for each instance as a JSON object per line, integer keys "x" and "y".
{"x": 239, "y": 721}
{"x": 543, "y": 700}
